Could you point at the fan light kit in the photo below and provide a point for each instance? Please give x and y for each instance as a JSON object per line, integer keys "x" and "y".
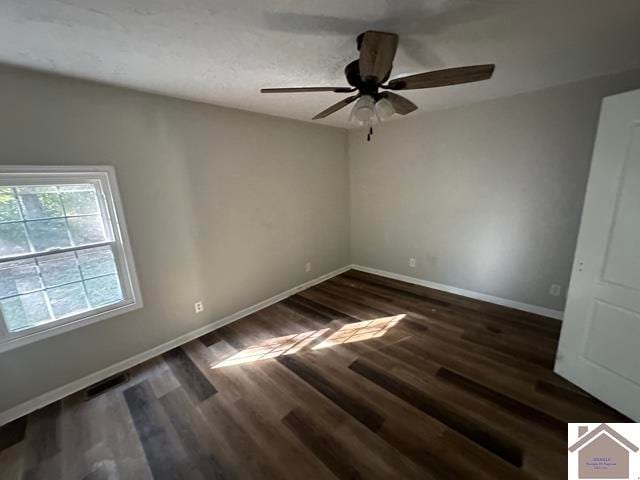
{"x": 368, "y": 74}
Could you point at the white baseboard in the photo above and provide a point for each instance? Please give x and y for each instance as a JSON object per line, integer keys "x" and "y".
{"x": 545, "y": 312}
{"x": 84, "y": 382}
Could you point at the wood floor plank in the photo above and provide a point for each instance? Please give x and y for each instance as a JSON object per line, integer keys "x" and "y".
{"x": 403, "y": 292}
{"x": 185, "y": 419}
{"x": 358, "y": 410}
{"x": 235, "y": 448}
{"x": 43, "y": 436}
{"x": 322, "y": 446}
{"x": 483, "y": 435}
{"x": 163, "y": 382}
{"x": 49, "y": 469}
{"x": 511, "y": 347}
{"x": 324, "y": 311}
{"x": 12, "y": 433}
{"x": 119, "y": 437}
{"x": 570, "y": 395}
{"x": 408, "y": 433}
{"x": 446, "y": 318}
{"x": 79, "y": 440}
{"x": 304, "y": 309}
{"x": 198, "y": 386}
{"x": 231, "y": 381}
{"x": 467, "y": 306}
{"x": 518, "y": 408}
{"x": 357, "y": 377}
{"x": 543, "y": 444}
{"x": 43, "y": 444}
{"x": 349, "y": 440}
{"x": 156, "y": 438}
{"x": 277, "y": 395}
{"x": 543, "y": 460}
{"x": 12, "y": 461}
{"x": 517, "y": 384}
{"x": 284, "y": 449}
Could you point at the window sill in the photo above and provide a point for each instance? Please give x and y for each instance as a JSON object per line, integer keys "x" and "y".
{"x": 26, "y": 338}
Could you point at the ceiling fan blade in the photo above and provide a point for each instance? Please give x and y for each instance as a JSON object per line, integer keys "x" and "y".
{"x": 400, "y": 104}
{"x": 335, "y": 107}
{"x": 442, "y": 78}
{"x": 307, "y": 89}
{"x": 376, "y": 55}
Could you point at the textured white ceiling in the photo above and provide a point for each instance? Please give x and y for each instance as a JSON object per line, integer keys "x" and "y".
{"x": 224, "y": 51}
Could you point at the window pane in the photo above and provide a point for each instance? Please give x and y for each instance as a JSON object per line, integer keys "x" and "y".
{"x": 19, "y": 277}
{"x": 24, "y": 311}
{"x": 59, "y": 269}
{"x": 68, "y": 299}
{"x": 79, "y": 199}
{"x": 9, "y": 209}
{"x": 13, "y": 239}
{"x": 40, "y": 202}
{"x": 48, "y": 234}
{"x": 96, "y": 261}
{"x": 38, "y": 217}
{"x": 103, "y": 290}
{"x": 86, "y": 230}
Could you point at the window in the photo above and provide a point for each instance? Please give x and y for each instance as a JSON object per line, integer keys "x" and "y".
{"x": 65, "y": 259}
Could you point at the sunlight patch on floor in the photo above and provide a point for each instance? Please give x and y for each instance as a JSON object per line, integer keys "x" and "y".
{"x": 290, "y": 344}
{"x": 272, "y": 348}
{"x": 360, "y": 331}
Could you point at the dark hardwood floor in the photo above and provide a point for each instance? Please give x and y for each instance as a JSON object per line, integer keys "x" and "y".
{"x": 358, "y": 377}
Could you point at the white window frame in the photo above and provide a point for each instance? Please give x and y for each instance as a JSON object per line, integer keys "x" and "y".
{"x": 110, "y": 202}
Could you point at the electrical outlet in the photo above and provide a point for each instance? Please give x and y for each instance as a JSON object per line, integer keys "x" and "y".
{"x": 555, "y": 290}
{"x": 307, "y": 267}
{"x": 412, "y": 262}
{"x": 198, "y": 306}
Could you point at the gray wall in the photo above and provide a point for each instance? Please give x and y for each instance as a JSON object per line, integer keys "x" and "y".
{"x": 486, "y": 197}
{"x": 226, "y": 206}
{"x": 221, "y": 205}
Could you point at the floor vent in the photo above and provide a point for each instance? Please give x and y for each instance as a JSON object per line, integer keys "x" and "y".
{"x": 106, "y": 384}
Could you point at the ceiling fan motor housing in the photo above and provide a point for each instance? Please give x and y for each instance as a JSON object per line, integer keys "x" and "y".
{"x": 369, "y": 87}
{"x": 369, "y": 73}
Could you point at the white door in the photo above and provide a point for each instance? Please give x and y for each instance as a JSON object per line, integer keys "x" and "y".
{"x": 600, "y": 342}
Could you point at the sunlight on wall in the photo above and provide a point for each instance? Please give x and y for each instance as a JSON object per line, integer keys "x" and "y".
{"x": 290, "y": 344}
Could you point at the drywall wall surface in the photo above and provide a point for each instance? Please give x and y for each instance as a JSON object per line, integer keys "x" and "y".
{"x": 222, "y": 206}
{"x": 487, "y": 197}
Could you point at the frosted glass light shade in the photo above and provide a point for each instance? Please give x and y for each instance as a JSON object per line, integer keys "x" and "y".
{"x": 363, "y": 110}
{"x": 384, "y": 109}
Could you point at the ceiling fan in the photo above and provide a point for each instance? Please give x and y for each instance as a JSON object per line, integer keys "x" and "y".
{"x": 368, "y": 75}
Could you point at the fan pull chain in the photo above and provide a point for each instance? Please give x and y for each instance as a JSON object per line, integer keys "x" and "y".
{"x": 370, "y": 132}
